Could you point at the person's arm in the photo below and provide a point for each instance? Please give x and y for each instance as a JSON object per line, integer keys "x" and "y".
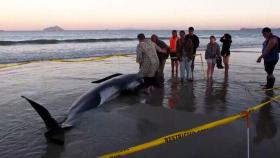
{"x": 139, "y": 55}
{"x": 218, "y": 51}
{"x": 197, "y": 42}
{"x": 159, "y": 49}
{"x": 166, "y": 47}
{"x": 222, "y": 39}
{"x": 207, "y": 50}
{"x": 191, "y": 49}
{"x": 267, "y": 50}
{"x": 178, "y": 50}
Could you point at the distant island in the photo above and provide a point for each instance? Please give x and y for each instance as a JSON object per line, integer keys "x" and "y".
{"x": 256, "y": 29}
{"x": 53, "y": 28}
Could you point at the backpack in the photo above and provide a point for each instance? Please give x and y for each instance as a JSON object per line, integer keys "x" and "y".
{"x": 278, "y": 43}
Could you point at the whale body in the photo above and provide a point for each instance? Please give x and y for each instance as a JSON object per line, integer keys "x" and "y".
{"x": 111, "y": 87}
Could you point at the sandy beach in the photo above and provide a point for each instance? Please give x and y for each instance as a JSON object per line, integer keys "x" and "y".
{"x": 136, "y": 118}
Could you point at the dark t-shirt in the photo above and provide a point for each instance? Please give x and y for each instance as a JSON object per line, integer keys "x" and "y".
{"x": 163, "y": 45}
{"x": 273, "y": 55}
{"x": 195, "y": 41}
{"x": 226, "y": 46}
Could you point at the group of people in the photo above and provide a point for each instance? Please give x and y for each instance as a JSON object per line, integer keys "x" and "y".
{"x": 152, "y": 54}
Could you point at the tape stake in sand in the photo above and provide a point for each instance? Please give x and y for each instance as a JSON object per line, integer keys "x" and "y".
{"x": 248, "y": 133}
{"x": 202, "y": 65}
{"x": 186, "y": 133}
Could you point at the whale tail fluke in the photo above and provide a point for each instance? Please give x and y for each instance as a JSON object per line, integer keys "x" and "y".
{"x": 107, "y": 78}
{"x": 55, "y": 133}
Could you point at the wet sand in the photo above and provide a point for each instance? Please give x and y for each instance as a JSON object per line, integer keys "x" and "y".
{"x": 136, "y": 118}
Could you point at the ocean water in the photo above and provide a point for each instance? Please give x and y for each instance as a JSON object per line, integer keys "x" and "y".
{"x": 38, "y": 45}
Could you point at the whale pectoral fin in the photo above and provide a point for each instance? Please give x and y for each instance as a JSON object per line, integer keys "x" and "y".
{"x": 66, "y": 126}
{"x": 107, "y": 78}
{"x": 55, "y": 133}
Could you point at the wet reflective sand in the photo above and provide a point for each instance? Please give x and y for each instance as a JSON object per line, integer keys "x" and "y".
{"x": 133, "y": 119}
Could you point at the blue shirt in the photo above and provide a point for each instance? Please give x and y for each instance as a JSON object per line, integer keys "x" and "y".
{"x": 273, "y": 55}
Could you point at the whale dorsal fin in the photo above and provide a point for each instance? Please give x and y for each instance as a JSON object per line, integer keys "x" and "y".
{"x": 107, "y": 78}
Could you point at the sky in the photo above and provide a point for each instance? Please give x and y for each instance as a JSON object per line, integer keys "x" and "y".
{"x": 138, "y": 14}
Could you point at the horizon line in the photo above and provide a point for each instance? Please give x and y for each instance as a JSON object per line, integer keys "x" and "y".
{"x": 132, "y": 29}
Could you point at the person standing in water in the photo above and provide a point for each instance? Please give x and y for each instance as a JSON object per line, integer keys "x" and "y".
{"x": 185, "y": 55}
{"x": 195, "y": 41}
{"x": 211, "y": 53}
{"x": 162, "y": 56}
{"x": 226, "y": 40}
{"x": 174, "y": 61}
{"x": 269, "y": 55}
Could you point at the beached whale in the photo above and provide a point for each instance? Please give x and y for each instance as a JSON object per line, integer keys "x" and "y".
{"x": 110, "y": 87}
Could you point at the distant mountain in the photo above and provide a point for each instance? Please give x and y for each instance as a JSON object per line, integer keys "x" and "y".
{"x": 246, "y": 29}
{"x": 53, "y": 28}
{"x": 256, "y": 29}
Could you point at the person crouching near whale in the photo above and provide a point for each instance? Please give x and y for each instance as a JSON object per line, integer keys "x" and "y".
{"x": 148, "y": 61}
{"x": 211, "y": 54}
{"x": 162, "y": 56}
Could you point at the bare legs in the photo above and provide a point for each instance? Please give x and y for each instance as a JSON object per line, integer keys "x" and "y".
{"x": 174, "y": 63}
{"x": 226, "y": 62}
{"x": 210, "y": 70}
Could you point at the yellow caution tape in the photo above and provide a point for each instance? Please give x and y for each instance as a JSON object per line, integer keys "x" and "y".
{"x": 257, "y": 107}
{"x": 182, "y": 134}
{"x": 87, "y": 59}
{"x": 2, "y": 66}
{"x": 270, "y": 89}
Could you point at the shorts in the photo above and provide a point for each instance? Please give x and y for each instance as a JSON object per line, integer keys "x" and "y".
{"x": 211, "y": 61}
{"x": 269, "y": 66}
{"x": 173, "y": 57}
{"x": 149, "y": 81}
{"x": 225, "y": 54}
